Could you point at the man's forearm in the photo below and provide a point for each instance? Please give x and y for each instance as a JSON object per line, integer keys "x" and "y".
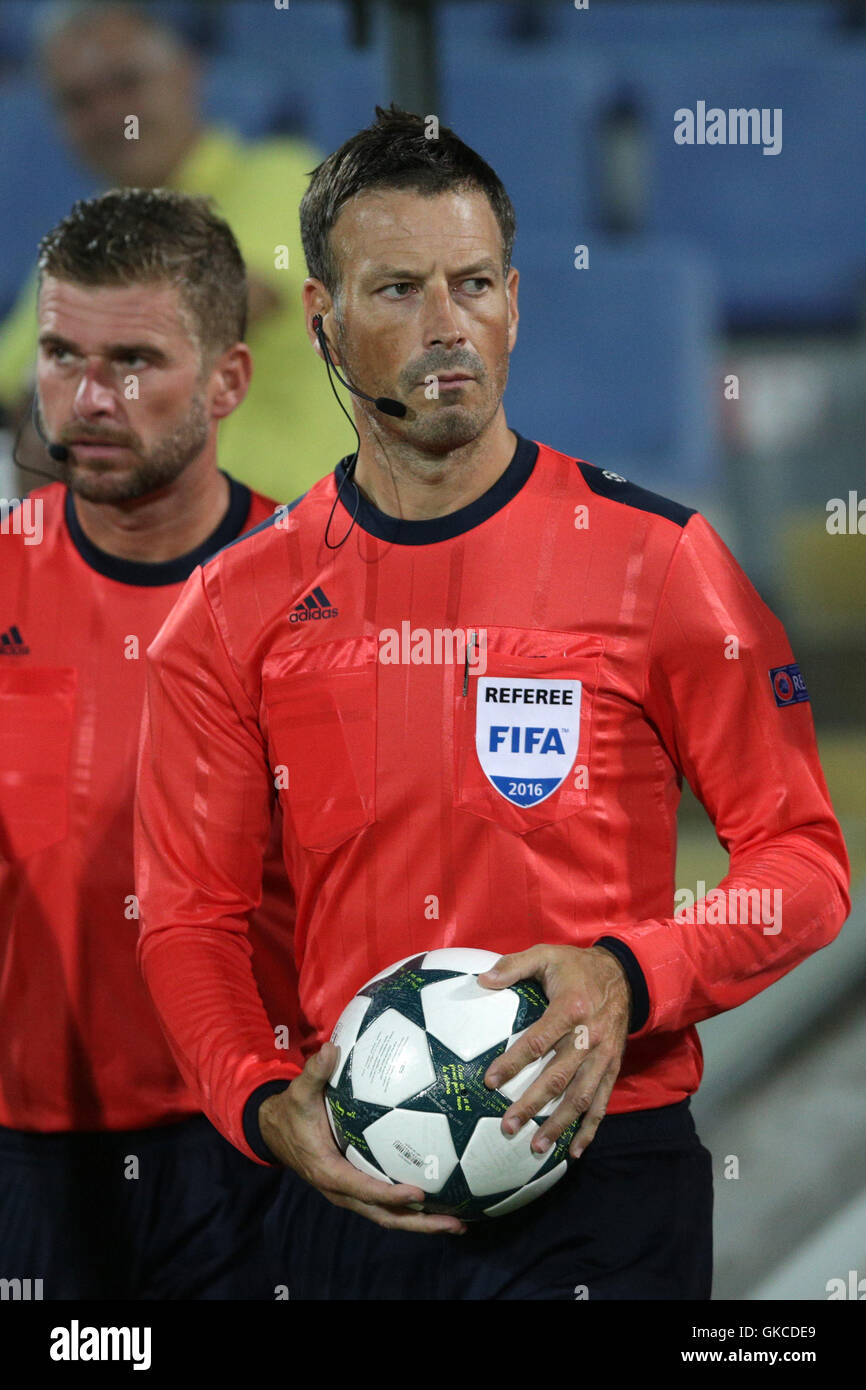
{"x": 722, "y": 951}
{"x": 203, "y": 987}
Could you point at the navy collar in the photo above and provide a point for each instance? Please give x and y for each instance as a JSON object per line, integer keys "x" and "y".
{"x": 440, "y": 528}
{"x": 144, "y": 573}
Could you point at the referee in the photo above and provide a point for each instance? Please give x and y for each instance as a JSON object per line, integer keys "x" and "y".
{"x": 112, "y": 1182}
{"x": 406, "y": 828}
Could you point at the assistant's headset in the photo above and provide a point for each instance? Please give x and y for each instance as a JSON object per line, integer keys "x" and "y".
{"x": 386, "y": 404}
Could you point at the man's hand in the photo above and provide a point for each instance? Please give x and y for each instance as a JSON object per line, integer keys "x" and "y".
{"x": 585, "y": 1026}
{"x": 295, "y": 1128}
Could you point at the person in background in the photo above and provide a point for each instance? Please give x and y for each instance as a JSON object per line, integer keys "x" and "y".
{"x": 102, "y": 63}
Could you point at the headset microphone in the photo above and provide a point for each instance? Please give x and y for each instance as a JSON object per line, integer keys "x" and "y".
{"x": 58, "y": 452}
{"x": 386, "y": 404}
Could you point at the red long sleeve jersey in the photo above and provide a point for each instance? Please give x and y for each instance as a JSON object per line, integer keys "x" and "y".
{"x": 82, "y": 1048}
{"x": 517, "y": 786}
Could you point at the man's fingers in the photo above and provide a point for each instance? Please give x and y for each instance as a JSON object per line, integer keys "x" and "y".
{"x": 540, "y": 1039}
{"x": 307, "y": 1145}
{"x": 399, "y": 1220}
{"x": 551, "y": 1077}
{"x": 309, "y": 1087}
{"x": 519, "y": 965}
{"x": 582, "y": 1097}
{"x": 346, "y": 1186}
{"x": 594, "y": 1116}
{"x": 336, "y": 1176}
{"x": 381, "y": 1202}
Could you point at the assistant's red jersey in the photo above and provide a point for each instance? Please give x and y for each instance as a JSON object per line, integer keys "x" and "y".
{"x": 514, "y": 787}
{"x": 82, "y": 1048}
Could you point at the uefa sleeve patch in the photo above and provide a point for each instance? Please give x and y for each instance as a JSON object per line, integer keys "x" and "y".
{"x": 788, "y": 685}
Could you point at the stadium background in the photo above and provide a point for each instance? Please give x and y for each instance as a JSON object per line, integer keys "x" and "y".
{"x": 705, "y": 263}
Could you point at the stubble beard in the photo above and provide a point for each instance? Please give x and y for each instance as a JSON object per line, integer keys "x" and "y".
{"x": 152, "y": 471}
{"x": 442, "y": 427}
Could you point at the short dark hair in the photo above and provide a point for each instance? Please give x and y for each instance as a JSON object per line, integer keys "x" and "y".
{"x": 394, "y": 152}
{"x": 153, "y": 235}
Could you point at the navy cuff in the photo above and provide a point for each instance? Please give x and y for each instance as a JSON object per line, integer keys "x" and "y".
{"x": 635, "y": 976}
{"x": 252, "y": 1133}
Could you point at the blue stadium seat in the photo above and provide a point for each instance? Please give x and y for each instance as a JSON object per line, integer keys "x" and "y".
{"x": 315, "y": 81}
{"x": 614, "y": 363}
{"x": 675, "y": 21}
{"x": 533, "y": 120}
{"x": 253, "y": 101}
{"x": 787, "y": 232}
{"x": 38, "y": 179}
{"x": 312, "y": 33}
{"x": 472, "y": 21}
{"x": 337, "y": 108}
{"x": 18, "y": 22}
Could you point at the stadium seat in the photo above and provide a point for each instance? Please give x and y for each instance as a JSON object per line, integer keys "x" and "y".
{"x": 479, "y": 21}
{"x": 18, "y": 23}
{"x": 38, "y": 177}
{"x": 335, "y": 110}
{"x": 533, "y": 120}
{"x": 675, "y": 21}
{"x": 614, "y": 363}
{"x": 290, "y": 38}
{"x": 254, "y": 102}
{"x": 785, "y": 260}
{"x": 787, "y": 232}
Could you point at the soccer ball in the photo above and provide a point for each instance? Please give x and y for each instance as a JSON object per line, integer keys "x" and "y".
{"x": 407, "y": 1100}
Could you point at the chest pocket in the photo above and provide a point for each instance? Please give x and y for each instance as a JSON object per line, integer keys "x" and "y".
{"x": 37, "y": 714}
{"x": 523, "y": 731}
{"x": 320, "y": 707}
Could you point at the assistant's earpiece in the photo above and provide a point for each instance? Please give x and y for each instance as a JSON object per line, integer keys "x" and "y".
{"x": 58, "y": 452}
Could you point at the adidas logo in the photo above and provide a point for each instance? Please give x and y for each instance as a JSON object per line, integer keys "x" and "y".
{"x": 314, "y": 607}
{"x": 12, "y": 643}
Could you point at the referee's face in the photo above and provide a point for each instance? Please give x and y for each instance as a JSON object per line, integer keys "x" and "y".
{"x": 425, "y": 312}
{"x": 119, "y": 382}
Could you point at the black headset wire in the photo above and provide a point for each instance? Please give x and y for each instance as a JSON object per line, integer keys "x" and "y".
{"x": 350, "y": 465}
{"x": 16, "y": 444}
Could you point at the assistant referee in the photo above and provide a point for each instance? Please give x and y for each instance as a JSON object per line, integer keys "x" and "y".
{"x": 113, "y": 1185}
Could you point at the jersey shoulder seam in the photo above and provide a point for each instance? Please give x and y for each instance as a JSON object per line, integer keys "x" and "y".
{"x": 265, "y": 525}
{"x": 604, "y": 482}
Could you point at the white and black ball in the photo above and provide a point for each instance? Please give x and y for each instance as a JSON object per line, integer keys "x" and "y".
{"x": 407, "y": 1100}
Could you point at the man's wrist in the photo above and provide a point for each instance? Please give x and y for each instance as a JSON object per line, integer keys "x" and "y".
{"x": 623, "y": 974}
{"x": 251, "y": 1118}
{"x": 638, "y": 992}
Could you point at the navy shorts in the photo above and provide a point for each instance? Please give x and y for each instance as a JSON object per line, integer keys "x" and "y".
{"x": 631, "y": 1219}
{"x": 170, "y": 1212}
